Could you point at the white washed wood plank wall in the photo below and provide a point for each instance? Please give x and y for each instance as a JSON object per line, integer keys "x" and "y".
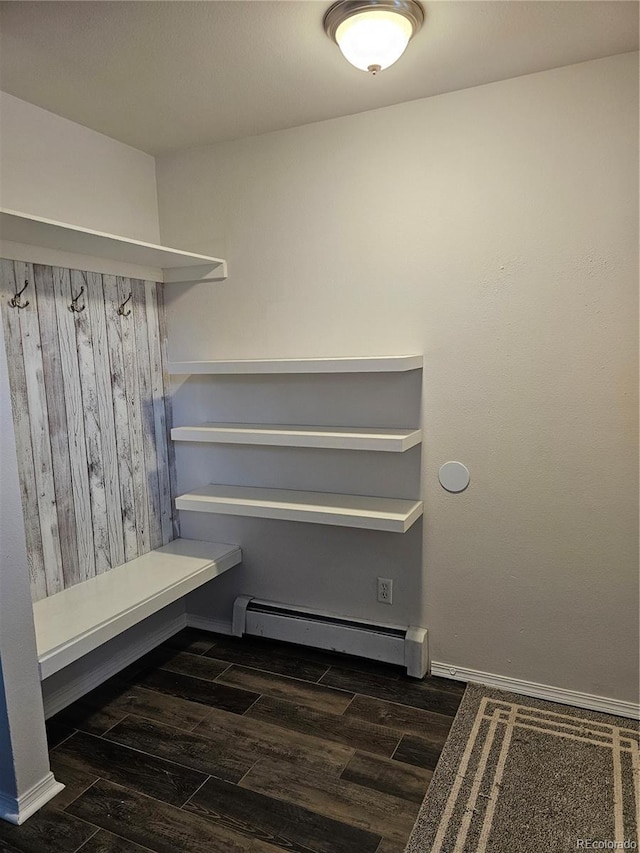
{"x": 92, "y": 415}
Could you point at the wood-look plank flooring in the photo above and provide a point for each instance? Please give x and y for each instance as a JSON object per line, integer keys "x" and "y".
{"x": 211, "y": 744}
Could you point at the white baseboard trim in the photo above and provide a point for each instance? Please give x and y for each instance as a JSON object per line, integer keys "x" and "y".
{"x": 17, "y": 810}
{"x": 66, "y": 686}
{"x": 617, "y": 707}
{"x": 205, "y": 624}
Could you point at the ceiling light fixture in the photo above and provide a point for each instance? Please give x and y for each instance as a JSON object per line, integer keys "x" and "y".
{"x": 373, "y": 34}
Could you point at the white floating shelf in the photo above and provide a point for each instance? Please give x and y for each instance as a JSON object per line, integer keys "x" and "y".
{"x": 366, "y": 364}
{"x": 389, "y": 514}
{"x": 339, "y": 438}
{"x": 178, "y": 267}
{"x": 83, "y": 617}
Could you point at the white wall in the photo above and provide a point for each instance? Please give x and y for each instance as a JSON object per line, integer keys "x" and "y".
{"x": 57, "y": 169}
{"x": 494, "y": 230}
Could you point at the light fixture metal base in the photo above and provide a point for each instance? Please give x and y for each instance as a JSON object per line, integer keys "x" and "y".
{"x": 343, "y": 9}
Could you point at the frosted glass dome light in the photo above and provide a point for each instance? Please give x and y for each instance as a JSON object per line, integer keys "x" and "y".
{"x": 373, "y": 34}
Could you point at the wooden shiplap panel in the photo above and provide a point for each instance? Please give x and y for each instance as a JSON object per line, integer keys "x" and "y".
{"x": 97, "y": 318}
{"x": 87, "y": 281}
{"x": 75, "y": 421}
{"x": 134, "y": 409}
{"x": 20, "y": 407}
{"x": 145, "y": 394}
{"x": 40, "y": 434}
{"x": 58, "y": 429}
{"x": 92, "y": 425}
{"x": 159, "y": 413}
{"x": 168, "y": 409}
{"x": 121, "y": 417}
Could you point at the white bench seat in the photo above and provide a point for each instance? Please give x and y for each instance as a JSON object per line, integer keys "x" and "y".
{"x": 79, "y": 619}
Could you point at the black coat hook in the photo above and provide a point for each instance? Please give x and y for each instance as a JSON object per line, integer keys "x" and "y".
{"x": 14, "y": 302}
{"x": 121, "y": 310}
{"x": 74, "y": 302}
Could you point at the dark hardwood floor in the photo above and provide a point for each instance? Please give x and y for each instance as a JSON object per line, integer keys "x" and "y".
{"x": 211, "y": 744}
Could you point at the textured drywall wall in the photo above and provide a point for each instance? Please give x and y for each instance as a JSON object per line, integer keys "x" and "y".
{"x": 55, "y": 168}
{"x": 494, "y": 230}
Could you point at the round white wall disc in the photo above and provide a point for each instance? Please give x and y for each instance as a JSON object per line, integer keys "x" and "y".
{"x": 454, "y": 476}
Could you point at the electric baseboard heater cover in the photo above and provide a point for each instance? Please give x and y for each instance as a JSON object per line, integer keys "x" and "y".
{"x": 407, "y": 647}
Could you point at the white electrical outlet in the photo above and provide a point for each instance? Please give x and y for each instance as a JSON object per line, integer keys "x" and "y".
{"x": 385, "y": 590}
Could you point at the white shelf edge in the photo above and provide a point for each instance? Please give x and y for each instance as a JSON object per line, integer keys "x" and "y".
{"x": 284, "y": 435}
{"x": 371, "y": 513}
{"x": 179, "y": 266}
{"x": 89, "y": 614}
{"x": 364, "y": 364}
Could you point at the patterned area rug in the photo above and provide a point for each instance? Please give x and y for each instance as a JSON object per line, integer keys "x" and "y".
{"x": 520, "y": 775}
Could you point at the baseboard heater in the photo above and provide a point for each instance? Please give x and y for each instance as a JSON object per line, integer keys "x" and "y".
{"x": 407, "y": 647}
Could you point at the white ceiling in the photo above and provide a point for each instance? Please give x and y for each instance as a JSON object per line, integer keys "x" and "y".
{"x": 168, "y": 75}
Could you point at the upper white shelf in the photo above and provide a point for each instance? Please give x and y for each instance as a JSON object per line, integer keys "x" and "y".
{"x": 365, "y": 364}
{"x": 390, "y": 514}
{"x": 178, "y": 267}
{"x": 338, "y": 438}
{"x": 79, "y": 619}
